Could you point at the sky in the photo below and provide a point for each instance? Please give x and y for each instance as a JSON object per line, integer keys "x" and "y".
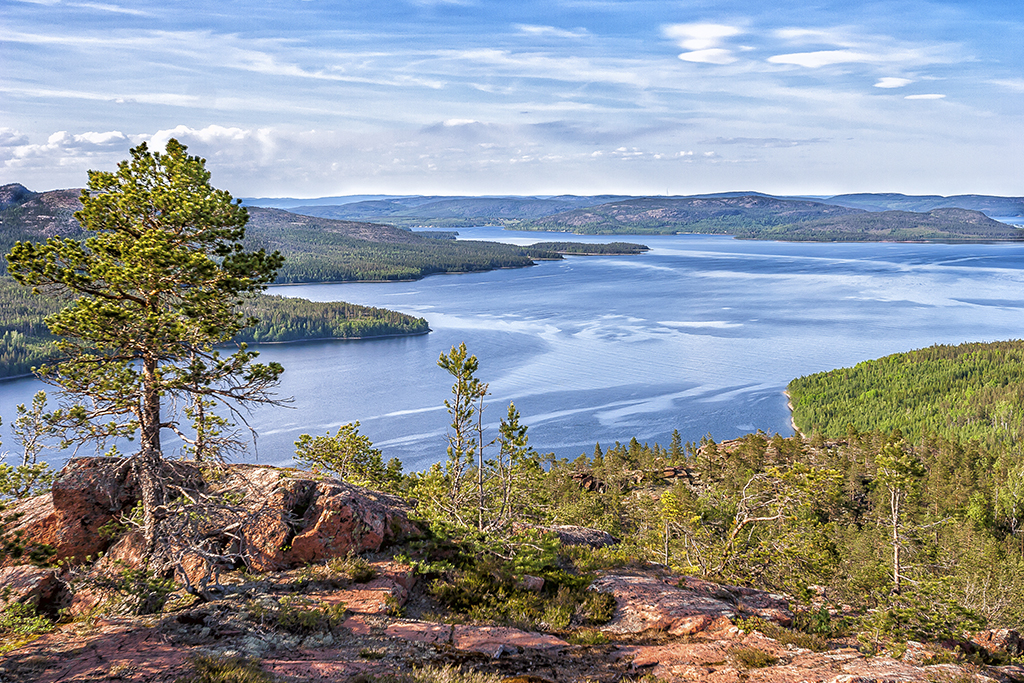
{"x": 310, "y": 98}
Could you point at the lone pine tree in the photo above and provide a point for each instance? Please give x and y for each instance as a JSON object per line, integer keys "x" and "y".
{"x": 151, "y": 291}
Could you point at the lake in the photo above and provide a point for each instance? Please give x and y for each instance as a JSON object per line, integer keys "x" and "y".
{"x": 701, "y": 334}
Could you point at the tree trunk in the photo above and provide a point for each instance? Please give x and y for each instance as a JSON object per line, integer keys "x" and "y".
{"x": 150, "y": 417}
{"x": 148, "y": 466}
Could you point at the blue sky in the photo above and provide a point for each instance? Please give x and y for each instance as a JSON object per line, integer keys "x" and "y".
{"x": 308, "y": 98}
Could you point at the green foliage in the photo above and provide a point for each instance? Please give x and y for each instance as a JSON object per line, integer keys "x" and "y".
{"x": 219, "y": 669}
{"x": 970, "y": 392}
{"x": 148, "y": 294}
{"x": 297, "y": 615}
{"x": 26, "y": 342}
{"x": 347, "y": 455}
{"x": 31, "y": 429}
{"x": 752, "y": 658}
{"x": 20, "y": 619}
{"x": 138, "y": 590}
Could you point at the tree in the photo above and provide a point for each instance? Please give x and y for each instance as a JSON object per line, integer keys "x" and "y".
{"x": 899, "y": 471}
{"x": 152, "y": 289}
{"x": 465, "y": 439}
{"x": 31, "y": 430}
{"x": 348, "y": 454}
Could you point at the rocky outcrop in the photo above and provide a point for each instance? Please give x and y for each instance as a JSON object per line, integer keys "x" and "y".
{"x": 284, "y": 518}
{"x": 647, "y": 603}
{"x": 683, "y": 605}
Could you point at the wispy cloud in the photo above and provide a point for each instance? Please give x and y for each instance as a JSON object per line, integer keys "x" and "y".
{"x": 926, "y": 96}
{"x": 552, "y": 31}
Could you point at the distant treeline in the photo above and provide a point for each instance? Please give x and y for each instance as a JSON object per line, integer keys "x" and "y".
{"x": 26, "y": 342}
{"x": 582, "y": 248}
{"x": 971, "y": 392}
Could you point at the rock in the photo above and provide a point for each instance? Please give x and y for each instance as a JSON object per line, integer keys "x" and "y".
{"x": 646, "y": 602}
{"x": 494, "y": 641}
{"x": 285, "y": 518}
{"x": 343, "y": 518}
{"x": 34, "y": 586}
{"x": 420, "y": 631}
{"x": 534, "y": 584}
{"x": 581, "y": 535}
{"x": 748, "y": 601}
{"x": 1000, "y": 640}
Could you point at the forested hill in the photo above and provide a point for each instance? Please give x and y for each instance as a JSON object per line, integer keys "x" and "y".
{"x": 763, "y": 217}
{"x": 454, "y": 211}
{"x": 971, "y": 392}
{"x": 316, "y": 249}
{"x": 327, "y": 250}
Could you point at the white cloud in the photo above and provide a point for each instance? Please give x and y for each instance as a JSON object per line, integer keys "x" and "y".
{"x": 928, "y": 96}
{"x": 700, "y": 36}
{"x": 703, "y": 41}
{"x": 892, "y": 82}
{"x": 714, "y": 55}
{"x": 820, "y": 58}
{"x": 534, "y": 30}
{"x": 1014, "y": 84}
{"x": 103, "y": 7}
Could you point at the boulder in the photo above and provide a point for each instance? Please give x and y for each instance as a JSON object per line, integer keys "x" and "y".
{"x": 495, "y": 641}
{"x": 581, "y": 535}
{"x": 34, "y": 586}
{"x": 748, "y": 601}
{"x": 647, "y": 602}
{"x": 1000, "y": 640}
{"x": 64, "y": 524}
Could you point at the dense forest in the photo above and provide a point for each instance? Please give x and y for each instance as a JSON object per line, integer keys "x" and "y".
{"x": 25, "y": 341}
{"x": 895, "y": 530}
{"x": 970, "y": 392}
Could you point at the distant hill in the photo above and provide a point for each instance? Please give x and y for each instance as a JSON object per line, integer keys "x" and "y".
{"x": 316, "y": 249}
{"x": 746, "y": 214}
{"x": 765, "y": 217}
{"x": 988, "y": 205}
{"x": 35, "y": 215}
{"x": 454, "y": 212}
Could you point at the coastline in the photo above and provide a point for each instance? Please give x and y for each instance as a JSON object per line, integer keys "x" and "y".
{"x": 789, "y": 405}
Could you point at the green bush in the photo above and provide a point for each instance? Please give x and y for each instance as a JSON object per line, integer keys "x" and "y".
{"x": 212, "y": 669}
{"x": 752, "y": 658}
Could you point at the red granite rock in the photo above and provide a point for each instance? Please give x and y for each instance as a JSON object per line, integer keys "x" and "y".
{"x": 646, "y": 602}
{"x": 420, "y": 631}
{"x": 494, "y": 641}
{"x": 34, "y": 586}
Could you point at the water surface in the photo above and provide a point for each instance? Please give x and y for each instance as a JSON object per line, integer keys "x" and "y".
{"x": 701, "y": 334}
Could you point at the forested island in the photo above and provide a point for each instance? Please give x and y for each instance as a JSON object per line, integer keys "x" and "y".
{"x": 26, "y": 342}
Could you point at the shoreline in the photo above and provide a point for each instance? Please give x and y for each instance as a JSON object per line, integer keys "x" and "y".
{"x": 789, "y": 405}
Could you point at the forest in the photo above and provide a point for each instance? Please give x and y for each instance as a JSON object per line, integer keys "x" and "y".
{"x": 902, "y": 530}
{"x": 26, "y": 342}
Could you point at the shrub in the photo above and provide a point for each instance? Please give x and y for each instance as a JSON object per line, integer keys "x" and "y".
{"x": 212, "y": 669}
{"x": 752, "y": 658}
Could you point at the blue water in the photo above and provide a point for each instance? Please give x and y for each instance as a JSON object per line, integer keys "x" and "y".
{"x": 701, "y": 334}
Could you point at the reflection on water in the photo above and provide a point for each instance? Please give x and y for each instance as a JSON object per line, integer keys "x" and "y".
{"x": 701, "y": 335}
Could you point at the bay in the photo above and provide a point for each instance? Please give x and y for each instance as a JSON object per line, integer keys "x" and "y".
{"x": 701, "y": 334}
